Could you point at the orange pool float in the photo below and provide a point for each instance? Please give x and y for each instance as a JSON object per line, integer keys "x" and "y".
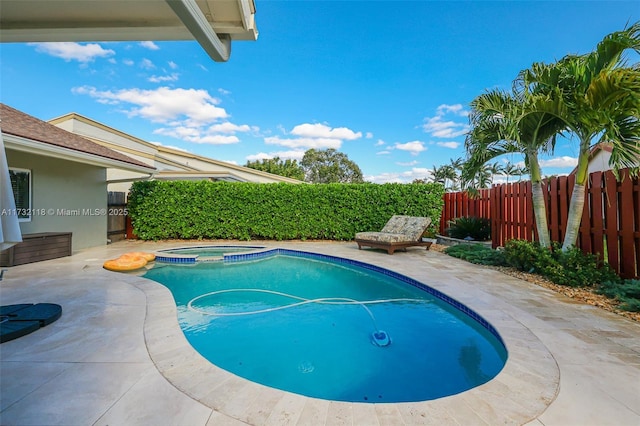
{"x": 147, "y": 256}
{"x": 129, "y": 262}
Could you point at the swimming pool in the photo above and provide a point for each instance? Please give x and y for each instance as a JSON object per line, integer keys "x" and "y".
{"x": 329, "y": 350}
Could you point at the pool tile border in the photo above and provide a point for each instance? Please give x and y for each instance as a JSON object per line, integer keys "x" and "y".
{"x": 165, "y": 256}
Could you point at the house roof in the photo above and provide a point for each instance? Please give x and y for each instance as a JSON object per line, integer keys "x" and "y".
{"x": 163, "y": 153}
{"x": 17, "y": 123}
{"x": 213, "y": 23}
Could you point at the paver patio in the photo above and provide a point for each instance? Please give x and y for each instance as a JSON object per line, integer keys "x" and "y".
{"x": 118, "y": 357}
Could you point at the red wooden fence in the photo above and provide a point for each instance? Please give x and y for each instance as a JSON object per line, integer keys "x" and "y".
{"x": 610, "y": 224}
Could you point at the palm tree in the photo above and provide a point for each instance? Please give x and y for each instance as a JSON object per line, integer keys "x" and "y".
{"x": 437, "y": 175}
{"x": 522, "y": 122}
{"x": 496, "y": 169}
{"x": 602, "y": 103}
{"x": 509, "y": 170}
{"x": 450, "y": 176}
{"x": 521, "y": 171}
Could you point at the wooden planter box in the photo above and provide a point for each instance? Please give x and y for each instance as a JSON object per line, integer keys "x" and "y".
{"x": 36, "y": 248}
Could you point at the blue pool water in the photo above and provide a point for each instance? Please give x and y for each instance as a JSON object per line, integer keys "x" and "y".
{"x": 236, "y": 316}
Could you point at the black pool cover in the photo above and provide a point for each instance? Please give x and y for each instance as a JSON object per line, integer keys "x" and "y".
{"x": 22, "y": 319}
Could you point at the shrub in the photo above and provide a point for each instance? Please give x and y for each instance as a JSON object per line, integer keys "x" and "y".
{"x": 477, "y": 254}
{"x": 627, "y": 292}
{"x": 527, "y": 256}
{"x": 473, "y": 228}
{"x": 279, "y": 211}
{"x": 572, "y": 267}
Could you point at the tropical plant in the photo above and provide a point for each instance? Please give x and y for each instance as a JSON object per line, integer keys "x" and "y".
{"x": 477, "y": 254}
{"x": 470, "y": 227}
{"x": 599, "y": 94}
{"x": 330, "y": 166}
{"x": 503, "y": 123}
{"x": 509, "y": 170}
{"x": 569, "y": 267}
{"x": 496, "y": 169}
{"x": 437, "y": 175}
{"x": 627, "y": 292}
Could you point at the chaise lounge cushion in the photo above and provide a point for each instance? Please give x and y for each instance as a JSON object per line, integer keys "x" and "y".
{"x": 399, "y": 232}
{"x": 385, "y": 237}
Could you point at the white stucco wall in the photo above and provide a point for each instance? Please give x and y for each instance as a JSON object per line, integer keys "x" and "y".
{"x": 599, "y": 162}
{"x": 70, "y": 194}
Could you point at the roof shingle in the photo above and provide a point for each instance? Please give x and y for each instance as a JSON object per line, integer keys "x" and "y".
{"x": 17, "y": 123}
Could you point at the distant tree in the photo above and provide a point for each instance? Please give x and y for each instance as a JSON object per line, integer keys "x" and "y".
{"x": 277, "y": 166}
{"x": 438, "y": 175}
{"x": 329, "y": 166}
{"x": 446, "y": 175}
{"x": 511, "y": 169}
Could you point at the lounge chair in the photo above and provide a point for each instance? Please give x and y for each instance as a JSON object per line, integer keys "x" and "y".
{"x": 399, "y": 232}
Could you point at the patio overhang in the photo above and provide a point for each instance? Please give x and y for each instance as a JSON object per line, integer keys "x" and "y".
{"x": 213, "y": 23}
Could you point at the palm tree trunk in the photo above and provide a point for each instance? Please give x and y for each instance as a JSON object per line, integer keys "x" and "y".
{"x": 576, "y": 206}
{"x": 540, "y": 213}
{"x": 537, "y": 199}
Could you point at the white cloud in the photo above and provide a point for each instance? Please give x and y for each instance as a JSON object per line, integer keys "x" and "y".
{"x": 195, "y": 135}
{"x": 452, "y": 145}
{"x": 69, "y": 51}
{"x": 149, "y": 45}
{"x": 414, "y": 147}
{"x": 259, "y": 156}
{"x": 559, "y": 162}
{"x": 169, "y": 146}
{"x": 283, "y": 155}
{"x": 409, "y": 164}
{"x": 188, "y": 114}
{"x": 317, "y": 136}
{"x": 216, "y": 139}
{"x": 128, "y": 62}
{"x": 457, "y": 109}
{"x": 160, "y": 79}
{"x": 439, "y": 128}
{"x": 402, "y": 177}
{"x": 224, "y": 92}
{"x": 444, "y": 129}
{"x": 368, "y": 135}
{"x": 379, "y": 143}
{"x": 173, "y": 65}
{"x": 147, "y": 64}
{"x": 318, "y": 130}
{"x": 308, "y": 143}
{"x": 228, "y": 127}
{"x": 385, "y": 152}
{"x": 162, "y": 104}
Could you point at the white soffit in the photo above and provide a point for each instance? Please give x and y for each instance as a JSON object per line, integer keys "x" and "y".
{"x": 213, "y": 23}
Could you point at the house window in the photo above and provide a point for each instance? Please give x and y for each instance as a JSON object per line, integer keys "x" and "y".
{"x": 21, "y": 184}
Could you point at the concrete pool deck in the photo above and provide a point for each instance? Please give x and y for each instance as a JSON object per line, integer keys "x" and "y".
{"x": 118, "y": 357}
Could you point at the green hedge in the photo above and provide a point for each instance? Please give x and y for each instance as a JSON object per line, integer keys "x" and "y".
{"x": 279, "y": 211}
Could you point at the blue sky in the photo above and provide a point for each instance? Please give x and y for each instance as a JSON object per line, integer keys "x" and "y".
{"x": 386, "y": 82}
